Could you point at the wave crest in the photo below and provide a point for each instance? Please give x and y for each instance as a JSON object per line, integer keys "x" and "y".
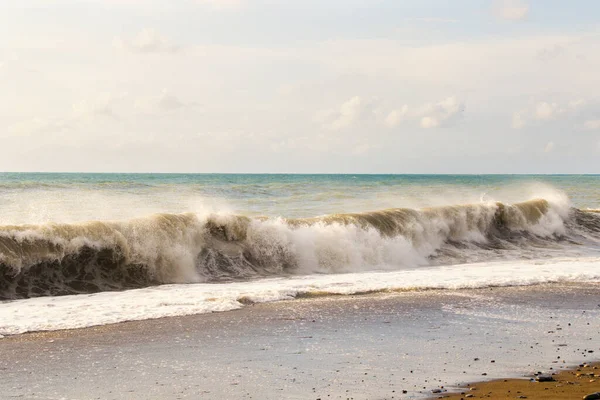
{"x": 56, "y": 259}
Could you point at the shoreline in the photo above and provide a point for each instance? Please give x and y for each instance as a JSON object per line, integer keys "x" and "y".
{"x": 365, "y": 347}
{"x": 573, "y": 383}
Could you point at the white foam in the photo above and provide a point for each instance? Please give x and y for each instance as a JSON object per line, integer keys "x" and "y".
{"x": 67, "y": 312}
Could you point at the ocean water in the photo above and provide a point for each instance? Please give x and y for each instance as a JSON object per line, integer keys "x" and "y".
{"x": 86, "y": 249}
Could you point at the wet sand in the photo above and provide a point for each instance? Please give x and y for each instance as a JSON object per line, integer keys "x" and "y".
{"x": 381, "y": 346}
{"x": 566, "y": 385}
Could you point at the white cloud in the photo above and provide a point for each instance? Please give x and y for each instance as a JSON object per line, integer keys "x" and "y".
{"x": 429, "y": 122}
{"x": 436, "y": 115}
{"x": 429, "y": 115}
{"x": 513, "y": 10}
{"x": 543, "y": 111}
{"x": 518, "y": 121}
{"x": 358, "y": 110}
{"x": 349, "y": 113}
{"x": 146, "y": 41}
{"x": 592, "y": 124}
{"x": 575, "y": 104}
{"x": 549, "y": 147}
{"x": 395, "y": 117}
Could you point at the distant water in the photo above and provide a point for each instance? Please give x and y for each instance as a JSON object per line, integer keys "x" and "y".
{"x": 38, "y": 198}
{"x": 246, "y": 238}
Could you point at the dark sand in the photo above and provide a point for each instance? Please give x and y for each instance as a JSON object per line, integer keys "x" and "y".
{"x": 360, "y": 347}
{"x": 566, "y": 385}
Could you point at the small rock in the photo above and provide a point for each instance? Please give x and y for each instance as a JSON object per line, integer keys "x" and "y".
{"x": 592, "y": 396}
{"x": 544, "y": 378}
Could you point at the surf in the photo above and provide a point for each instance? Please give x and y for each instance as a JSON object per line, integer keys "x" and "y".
{"x": 59, "y": 259}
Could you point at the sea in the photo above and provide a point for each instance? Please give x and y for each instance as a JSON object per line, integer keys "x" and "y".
{"x": 86, "y": 249}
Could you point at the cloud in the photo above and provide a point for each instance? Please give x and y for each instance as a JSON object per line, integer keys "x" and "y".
{"x": 146, "y": 41}
{"x": 348, "y": 114}
{"x": 429, "y": 115}
{"x": 518, "y": 121}
{"x": 358, "y": 110}
{"x": 513, "y": 10}
{"x": 543, "y": 111}
{"x": 395, "y": 117}
{"x": 436, "y": 115}
{"x": 592, "y": 124}
{"x": 549, "y": 147}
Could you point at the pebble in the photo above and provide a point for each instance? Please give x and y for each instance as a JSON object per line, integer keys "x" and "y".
{"x": 544, "y": 378}
{"x": 592, "y": 396}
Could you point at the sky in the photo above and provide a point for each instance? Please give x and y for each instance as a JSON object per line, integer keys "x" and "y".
{"x": 300, "y": 86}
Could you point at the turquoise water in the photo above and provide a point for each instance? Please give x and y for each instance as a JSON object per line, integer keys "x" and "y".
{"x": 44, "y": 197}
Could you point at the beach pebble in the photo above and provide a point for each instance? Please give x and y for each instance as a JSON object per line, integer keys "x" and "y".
{"x": 545, "y": 378}
{"x": 592, "y": 396}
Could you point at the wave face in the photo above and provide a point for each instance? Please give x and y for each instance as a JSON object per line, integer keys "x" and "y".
{"x": 59, "y": 259}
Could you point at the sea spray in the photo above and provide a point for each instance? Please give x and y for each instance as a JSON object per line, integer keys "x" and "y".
{"x": 58, "y": 259}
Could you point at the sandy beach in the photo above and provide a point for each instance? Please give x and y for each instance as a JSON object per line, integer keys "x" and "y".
{"x": 378, "y": 346}
{"x": 582, "y": 381}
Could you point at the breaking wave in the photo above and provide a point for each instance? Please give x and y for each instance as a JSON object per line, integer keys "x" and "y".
{"x": 59, "y": 259}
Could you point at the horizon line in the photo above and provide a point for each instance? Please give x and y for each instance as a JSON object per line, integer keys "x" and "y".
{"x": 305, "y": 173}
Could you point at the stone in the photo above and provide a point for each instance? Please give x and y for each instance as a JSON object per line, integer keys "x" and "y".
{"x": 592, "y": 396}
{"x": 544, "y": 378}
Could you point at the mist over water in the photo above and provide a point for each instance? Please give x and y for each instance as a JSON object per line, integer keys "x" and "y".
{"x": 40, "y": 198}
